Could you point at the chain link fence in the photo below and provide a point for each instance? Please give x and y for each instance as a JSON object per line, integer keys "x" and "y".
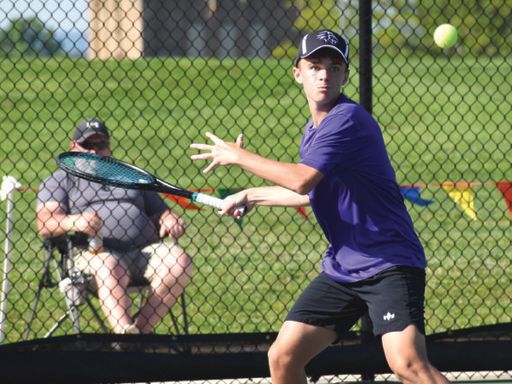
{"x": 161, "y": 74}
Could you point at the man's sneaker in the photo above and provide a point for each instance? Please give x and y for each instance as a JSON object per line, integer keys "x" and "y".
{"x": 131, "y": 329}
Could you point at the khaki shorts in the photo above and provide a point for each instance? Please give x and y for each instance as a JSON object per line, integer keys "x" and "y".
{"x": 141, "y": 263}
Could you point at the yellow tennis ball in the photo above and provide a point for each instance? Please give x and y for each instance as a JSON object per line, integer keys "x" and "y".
{"x": 445, "y": 36}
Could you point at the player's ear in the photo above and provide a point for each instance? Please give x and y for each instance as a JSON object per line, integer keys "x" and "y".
{"x": 297, "y": 75}
{"x": 345, "y": 78}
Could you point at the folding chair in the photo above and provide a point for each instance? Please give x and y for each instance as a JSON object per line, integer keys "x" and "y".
{"x": 76, "y": 288}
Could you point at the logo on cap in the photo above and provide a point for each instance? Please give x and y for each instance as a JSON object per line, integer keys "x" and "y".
{"x": 93, "y": 124}
{"x": 328, "y": 37}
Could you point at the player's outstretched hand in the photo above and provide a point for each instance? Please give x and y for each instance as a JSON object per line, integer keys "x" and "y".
{"x": 220, "y": 152}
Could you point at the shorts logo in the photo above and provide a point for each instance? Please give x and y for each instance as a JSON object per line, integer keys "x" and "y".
{"x": 388, "y": 316}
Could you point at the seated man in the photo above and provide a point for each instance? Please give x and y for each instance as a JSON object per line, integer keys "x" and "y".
{"x": 131, "y": 224}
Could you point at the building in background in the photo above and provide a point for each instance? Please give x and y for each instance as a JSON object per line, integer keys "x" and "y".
{"x": 218, "y": 28}
{"x": 115, "y": 29}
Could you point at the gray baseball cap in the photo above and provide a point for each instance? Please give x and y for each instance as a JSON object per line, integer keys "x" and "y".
{"x": 325, "y": 38}
{"x": 88, "y": 128}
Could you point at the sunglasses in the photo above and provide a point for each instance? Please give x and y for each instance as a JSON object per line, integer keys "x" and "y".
{"x": 99, "y": 146}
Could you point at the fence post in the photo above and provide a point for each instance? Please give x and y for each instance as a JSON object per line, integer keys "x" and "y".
{"x": 365, "y": 54}
{"x": 9, "y": 185}
{"x": 365, "y": 98}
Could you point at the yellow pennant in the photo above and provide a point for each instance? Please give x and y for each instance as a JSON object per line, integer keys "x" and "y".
{"x": 463, "y": 196}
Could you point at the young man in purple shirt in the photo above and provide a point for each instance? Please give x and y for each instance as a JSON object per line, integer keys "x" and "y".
{"x": 374, "y": 261}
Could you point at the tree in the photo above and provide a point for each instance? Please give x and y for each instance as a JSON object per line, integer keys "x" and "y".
{"x": 406, "y": 26}
{"x": 484, "y": 26}
{"x": 316, "y": 14}
{"x": 29, "y": 37}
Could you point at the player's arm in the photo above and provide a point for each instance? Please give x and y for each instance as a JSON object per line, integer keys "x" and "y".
{"x": 298, "y": 178}
{"x": 275, "y": 196}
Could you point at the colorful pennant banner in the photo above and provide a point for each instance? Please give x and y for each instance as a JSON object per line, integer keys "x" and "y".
{"x": 460, "y": 192}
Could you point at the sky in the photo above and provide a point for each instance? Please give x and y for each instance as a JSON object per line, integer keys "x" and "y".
{"x": 66, "y": 15}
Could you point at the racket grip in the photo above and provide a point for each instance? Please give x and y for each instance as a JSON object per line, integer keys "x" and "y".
{"x": 215, "y": 202}
{"x": 208, "y": 200}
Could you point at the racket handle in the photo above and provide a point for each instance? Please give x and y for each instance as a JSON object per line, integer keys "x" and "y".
{"x": 215, "y": 202}
{"x": 208, "y": 200}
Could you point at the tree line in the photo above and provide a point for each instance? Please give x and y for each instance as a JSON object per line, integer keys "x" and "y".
{"x": 399, "y": 26}
{"x": 29, "y": 36}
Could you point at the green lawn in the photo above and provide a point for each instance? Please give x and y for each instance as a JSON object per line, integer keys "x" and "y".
{"x": 443, "y": 120}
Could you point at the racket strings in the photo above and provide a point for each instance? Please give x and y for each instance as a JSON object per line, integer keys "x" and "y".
{"x": 97, "y": 167}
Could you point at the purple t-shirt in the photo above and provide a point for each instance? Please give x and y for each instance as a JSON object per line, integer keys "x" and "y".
{"x": 358, "y": 203}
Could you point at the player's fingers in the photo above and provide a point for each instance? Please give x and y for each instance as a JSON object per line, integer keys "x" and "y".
{"x": 240, "y": 140}
{"x": 202, "y": 147}
{"x": 214, "y": 138}
{"x": 236, "y": 212}
{"x": 226, "y": 208}
{"x": 211, "y": 167}
{"x": 239, "y": 212}
{"x": 201, "y": 156}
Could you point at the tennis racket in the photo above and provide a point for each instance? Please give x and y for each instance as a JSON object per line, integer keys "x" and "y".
{"x": 110, "y": 171}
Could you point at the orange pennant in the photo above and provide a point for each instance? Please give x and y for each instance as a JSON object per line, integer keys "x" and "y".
{"x": 302, "y": 212}
{"x": 185, "y": 203}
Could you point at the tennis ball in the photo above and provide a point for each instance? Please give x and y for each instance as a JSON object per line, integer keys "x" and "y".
{"x": 445, "y": 36}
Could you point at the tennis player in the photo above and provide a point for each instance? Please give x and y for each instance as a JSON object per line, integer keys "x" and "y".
{"x": 374, "y": 261}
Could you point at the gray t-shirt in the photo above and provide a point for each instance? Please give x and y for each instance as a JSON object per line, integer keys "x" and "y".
{"x": 126, "y": 214}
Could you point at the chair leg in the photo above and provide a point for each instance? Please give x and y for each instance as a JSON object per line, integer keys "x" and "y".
{"x": 72, "y": 313}
{"x": 184, "y": 314}
{"x": 60, "y": 321}
{"x": 46, "y": 281}
{"x": 74, "y": 316}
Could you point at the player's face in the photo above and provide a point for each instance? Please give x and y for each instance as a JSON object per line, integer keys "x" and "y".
{"x": 96, "y": 144}
{"x": 322, "y": 77}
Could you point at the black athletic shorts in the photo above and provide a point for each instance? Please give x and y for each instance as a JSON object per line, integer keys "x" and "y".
{"x": 394, "y": 299}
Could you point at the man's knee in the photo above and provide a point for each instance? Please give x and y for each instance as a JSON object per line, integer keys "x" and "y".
{"x": 406, "y": 354}
{"x": 407, "y": 366}
{"x": 179, "y": 269}
{"x": 278, "y": 358}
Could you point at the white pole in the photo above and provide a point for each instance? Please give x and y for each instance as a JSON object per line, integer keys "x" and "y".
{"x": 9, "y": 184}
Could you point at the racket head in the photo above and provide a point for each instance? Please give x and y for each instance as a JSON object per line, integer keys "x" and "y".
{"x": 105, "y": 170}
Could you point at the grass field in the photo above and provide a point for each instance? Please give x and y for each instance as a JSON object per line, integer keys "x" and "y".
{"x": 443, "y": 120}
